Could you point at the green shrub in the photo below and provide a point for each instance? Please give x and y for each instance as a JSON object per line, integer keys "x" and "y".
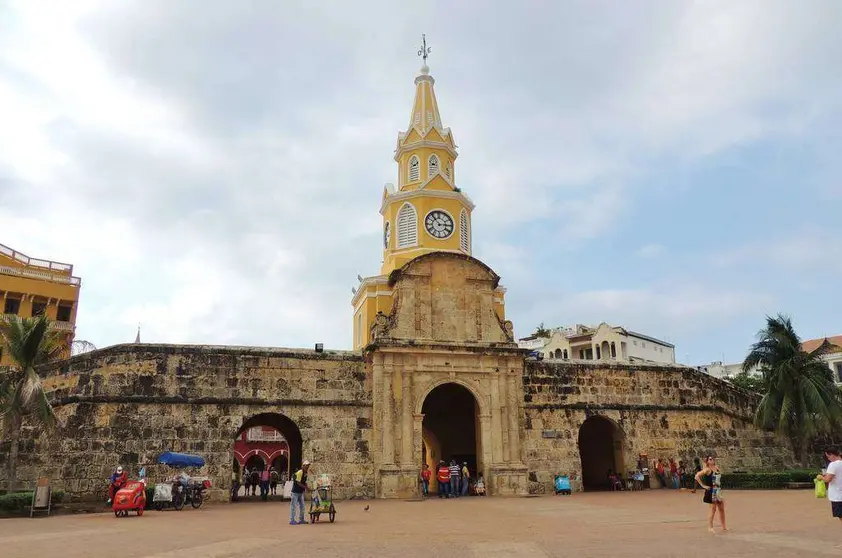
{"x": 766, "y": 480}
{"x": 20, "y": 501}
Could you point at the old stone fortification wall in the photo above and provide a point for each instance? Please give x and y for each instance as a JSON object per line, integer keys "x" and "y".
{"x": 128, "y": 403}
{"x": 662, "y": 411}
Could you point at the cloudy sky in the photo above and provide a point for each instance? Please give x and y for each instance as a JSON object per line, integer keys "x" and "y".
{"x": 214, "y": 169}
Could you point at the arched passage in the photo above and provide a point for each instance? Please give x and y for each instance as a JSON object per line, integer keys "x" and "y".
{"x": 450, "y": 428}
{"x": 268, "y": 440}
{"x": 600, "y": 450}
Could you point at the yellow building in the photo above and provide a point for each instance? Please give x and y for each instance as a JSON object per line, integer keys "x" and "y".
{"x": 426, "y": 213}
{"x": 30, "y": 287}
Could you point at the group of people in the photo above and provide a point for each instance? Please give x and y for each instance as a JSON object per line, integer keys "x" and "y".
{"x": 266, "y": 480}
{"x": 672, "y": 474}
{"x": 454, "y": 480}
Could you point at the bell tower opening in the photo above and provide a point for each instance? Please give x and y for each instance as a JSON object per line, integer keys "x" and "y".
{"x": 450, "y": 429}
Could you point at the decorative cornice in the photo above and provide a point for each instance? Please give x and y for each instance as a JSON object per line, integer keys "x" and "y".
{"x": 420, "y": 193}
{"x": 433, "y": 144}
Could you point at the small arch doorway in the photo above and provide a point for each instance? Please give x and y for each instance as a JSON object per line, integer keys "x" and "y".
{"x": 601, "y": 446}
{"x": 450, "y": 429}
{"x": 266, "y": 440}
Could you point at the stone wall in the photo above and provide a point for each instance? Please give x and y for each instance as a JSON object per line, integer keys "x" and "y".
{"x": 128, "y": 403}
{"x": 660, "y": 410}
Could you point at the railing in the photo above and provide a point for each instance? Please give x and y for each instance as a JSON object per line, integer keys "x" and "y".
{"x": 26, "y": 260}
{"x": 61, "y": 326}
{"x": 35, "y": 274}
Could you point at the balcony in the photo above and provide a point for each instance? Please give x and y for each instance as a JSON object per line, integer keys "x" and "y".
{"x": 58, "y": 326}
{"x": 42, "y": 269}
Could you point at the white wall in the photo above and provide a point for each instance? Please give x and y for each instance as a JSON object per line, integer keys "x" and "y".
{"x": 648, "y": 350}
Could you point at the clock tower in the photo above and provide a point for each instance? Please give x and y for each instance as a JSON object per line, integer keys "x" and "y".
{"x": 426, "y": 212}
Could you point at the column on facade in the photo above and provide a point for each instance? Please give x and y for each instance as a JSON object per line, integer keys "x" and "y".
{"x": 406, "y": 418}
{"x": 500, "y": 379}
{"x": 388, "y": 413}
{"x": 514, "y": 430}
{"x": 496, "y": 430}
{"x": 487, "y": 458}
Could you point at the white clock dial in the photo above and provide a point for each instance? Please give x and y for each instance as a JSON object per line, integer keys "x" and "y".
{"x": 387, "y": 235}
{"x": 439, "y": 224}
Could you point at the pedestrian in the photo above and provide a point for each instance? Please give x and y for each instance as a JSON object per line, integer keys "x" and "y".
{"x": 255, "y": 481}
{"x": 273, "y": 481}
{"x": 235, "y": 485}
{"x": 455, "y": 471}
{"x": 682, "y": 475}
{"x": 674, "y": 473}
{"x": 425, "y": 480}
{"x": 466, "y": 478}
{"x": 697, "y": 466}
{"x": 659, "y": 471}
{"x": 246, "y": 481}
{"x": 299, "y": 486}
{"x": 833, "y": 478}
{"x": 443, "y": 478}
{"x": 264, "y": 484}
{"x": 710, "y": 478}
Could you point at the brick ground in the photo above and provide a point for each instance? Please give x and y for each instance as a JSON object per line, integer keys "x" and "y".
{"x": 656, "y": 523}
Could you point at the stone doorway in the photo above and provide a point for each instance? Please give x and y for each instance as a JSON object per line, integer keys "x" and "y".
{"x": 268, "y": 440}
{"x": 601, "y": 446}
{"x": 450, "y": 429}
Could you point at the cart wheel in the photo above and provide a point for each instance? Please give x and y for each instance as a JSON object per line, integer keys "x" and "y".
{"x": 159, "y": 506}
{"x": 116, "y": 513}
{"x": 178, "y": 502}
{"x": 332, "y": 514}
{"x": 197, "y": 500}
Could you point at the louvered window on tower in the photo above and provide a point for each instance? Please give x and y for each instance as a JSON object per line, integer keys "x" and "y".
{"x": 447, "y": 171}
{"x": 407, "y": 226}
{"x": 430, "y": 119}
{"x": 417, "y": 118}
{"x": 465, "y": 234}
{"x": 433, "y": 166}
{"x": 414, "y": 169}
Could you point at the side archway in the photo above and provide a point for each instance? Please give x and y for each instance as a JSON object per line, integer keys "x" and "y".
{"x": 268, "y": 440}
{"x": 601, "y": 450}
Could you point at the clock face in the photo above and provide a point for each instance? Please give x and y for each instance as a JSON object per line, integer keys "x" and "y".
{"x": 387, "y": 235}
{"x": 439, "y": 224}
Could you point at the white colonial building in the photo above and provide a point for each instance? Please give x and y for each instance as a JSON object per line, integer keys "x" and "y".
{"x": 604, "y": 342}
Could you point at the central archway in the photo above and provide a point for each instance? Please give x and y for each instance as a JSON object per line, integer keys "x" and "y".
{"x": 601, "y": 444}
{"x": 266, "y": 441}
{"x": 450, "y": 429}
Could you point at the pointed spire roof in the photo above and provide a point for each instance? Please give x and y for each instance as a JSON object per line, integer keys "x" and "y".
{"x": 425, "y": 120}
{"x": 137, "y": 338}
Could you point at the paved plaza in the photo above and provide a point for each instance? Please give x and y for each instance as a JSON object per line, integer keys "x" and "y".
{"x": 654, "y": 523}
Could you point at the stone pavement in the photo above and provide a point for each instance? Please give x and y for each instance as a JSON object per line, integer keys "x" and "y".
{"x": 656, "y": 523}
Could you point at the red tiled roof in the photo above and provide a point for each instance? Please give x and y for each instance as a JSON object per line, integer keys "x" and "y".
{"x": 811, "y": 345}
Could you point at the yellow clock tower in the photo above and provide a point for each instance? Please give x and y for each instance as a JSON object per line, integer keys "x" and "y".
{"x": 425, "y": 213}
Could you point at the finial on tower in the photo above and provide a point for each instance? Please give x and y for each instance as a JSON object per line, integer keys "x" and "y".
{"x": 425, "y": 50}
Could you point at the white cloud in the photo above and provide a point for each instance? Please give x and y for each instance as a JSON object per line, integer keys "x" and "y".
{"x": 652, "y": 250}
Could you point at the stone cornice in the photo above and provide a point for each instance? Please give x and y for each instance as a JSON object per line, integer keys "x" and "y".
{"x": 423, "y": 193}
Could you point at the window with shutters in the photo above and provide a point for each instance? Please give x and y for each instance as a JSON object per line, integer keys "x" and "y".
{"x": 430, "y": 119}
{"x": 414, "y": 171}
{"x": 464, "y": 232}
{"x": 417, "y": 118}
{"x": 407, "y": 226}
{"x": 432, "y": 166}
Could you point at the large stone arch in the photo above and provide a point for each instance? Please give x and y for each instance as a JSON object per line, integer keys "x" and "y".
{"x": 602, "y": 445}
{"x": 437, "y": 382}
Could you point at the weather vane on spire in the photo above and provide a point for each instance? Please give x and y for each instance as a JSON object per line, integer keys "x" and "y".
{"x": 425, "y": 50}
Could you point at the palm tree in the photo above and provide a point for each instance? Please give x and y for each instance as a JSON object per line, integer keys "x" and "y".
{"x": 30, "y": 343}
{"x": 800, "y": 399}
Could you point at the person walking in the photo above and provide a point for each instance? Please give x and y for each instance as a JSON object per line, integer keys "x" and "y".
{"x": 443, "y": 477}
{"x": 466, "y": 478}
{"x": 674, "y": 473}
{"x": 299, "y": 486}
{"x": 710, "y": 478}
{"x": 659, "y": 471}
{"x": 246, "y": 480}
{"x": 273, "y": 481}
{"x": 425, "y": 480}
{"x": 264, "y": 484}
{"x": 455, "y": 473}
{"x": 833, "y": 478}
{"x": 697, "y": 466}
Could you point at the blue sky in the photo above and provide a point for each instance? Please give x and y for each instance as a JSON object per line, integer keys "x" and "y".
{"x": 214, "y": 171}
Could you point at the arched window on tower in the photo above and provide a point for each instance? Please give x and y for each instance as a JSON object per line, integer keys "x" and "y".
{"x": 414, "y": 169}
{"x": 407, "y": 226}
{"x": 448, "y": 171}
{"x": 432, "y": 166}
{"x": 464, "y": 232}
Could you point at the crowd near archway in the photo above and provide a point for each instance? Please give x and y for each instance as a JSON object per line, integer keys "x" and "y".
{"x": 601, "y": 446}
{"x": 450, "y": 429}
{"x": 270, "y": 443}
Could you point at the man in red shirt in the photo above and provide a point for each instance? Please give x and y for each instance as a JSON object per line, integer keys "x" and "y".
{"x": 443, "y": 476}
{"x": 425, "y": 480}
